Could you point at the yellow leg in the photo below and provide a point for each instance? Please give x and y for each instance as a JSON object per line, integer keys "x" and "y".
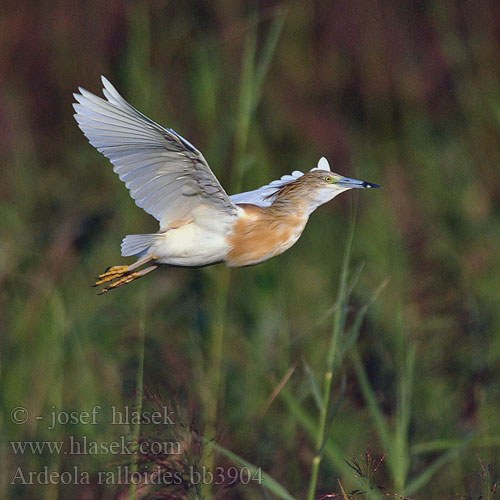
{"x": 127, "y": 278}
{"x": 114, "y": 272}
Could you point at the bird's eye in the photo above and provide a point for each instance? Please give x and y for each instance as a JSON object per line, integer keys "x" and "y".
{"x": 328, "y": 178}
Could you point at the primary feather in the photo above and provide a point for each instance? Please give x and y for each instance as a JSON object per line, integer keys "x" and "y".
{"x": 166, "y": 175}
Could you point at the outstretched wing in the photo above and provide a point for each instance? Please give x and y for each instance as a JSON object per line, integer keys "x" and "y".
{"x": 166, "y": 175}
{"x": 263, "y": 195}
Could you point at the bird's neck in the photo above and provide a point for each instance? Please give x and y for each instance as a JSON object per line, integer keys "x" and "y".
{"x": 284, "y": 206}
{"x": 289, "y": 201}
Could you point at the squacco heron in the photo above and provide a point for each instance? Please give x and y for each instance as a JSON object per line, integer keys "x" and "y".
{"x": 200, "y": 224}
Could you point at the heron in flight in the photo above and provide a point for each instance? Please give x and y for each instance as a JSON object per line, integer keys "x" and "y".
{"x": 199, "y": 223}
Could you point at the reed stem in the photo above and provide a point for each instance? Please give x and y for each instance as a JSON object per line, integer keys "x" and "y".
{"x": 338, "y": 327}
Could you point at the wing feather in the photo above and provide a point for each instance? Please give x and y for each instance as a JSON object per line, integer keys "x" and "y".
{"x": 166, "y": 175}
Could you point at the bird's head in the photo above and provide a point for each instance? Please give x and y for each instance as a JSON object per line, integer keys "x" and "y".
{"x": 318, "y": 186}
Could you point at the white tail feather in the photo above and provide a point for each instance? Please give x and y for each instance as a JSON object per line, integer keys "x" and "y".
{"x": 138, "y": 244}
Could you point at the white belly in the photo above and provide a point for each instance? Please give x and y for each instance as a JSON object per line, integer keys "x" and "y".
{"x": 191, "y": 245}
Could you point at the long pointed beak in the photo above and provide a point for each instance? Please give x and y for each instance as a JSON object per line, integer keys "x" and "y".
{"x": 354, "y": 183}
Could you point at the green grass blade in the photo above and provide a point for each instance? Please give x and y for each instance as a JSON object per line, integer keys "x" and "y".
{"x": 267, "y": 481}
{"x": 332, "y": 413}
{"x": 332, "y": 453}
{"x": 446, "y": 444}
{"x": 353, "y": 334}
{"x": 252, "y": 80}
{"x": 136, "y": 429}
{"x": 314, "y": 385}
{"x": 371, "y": 400}
{"x": 267, "y": 53}
{"x": 245, "y": 106}
{"x": 424, "y": 477}
{"x": 401, "y": 459}
{"x": 340, "y": 312}
{"x": 338, "y": 326}
{"x": 355, "y": 279}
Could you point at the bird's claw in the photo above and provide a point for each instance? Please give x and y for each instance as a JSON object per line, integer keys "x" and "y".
{"x": 112, "y": 270}
{"x": 116, "y": 276}
{"x": 122, "y": 281}
{"x": 111, "y": 273}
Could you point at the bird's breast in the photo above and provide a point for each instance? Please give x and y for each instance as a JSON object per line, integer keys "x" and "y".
{"x": 260, "y": 234}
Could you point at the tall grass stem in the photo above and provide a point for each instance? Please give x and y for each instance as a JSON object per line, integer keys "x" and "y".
{"x": 338, "y": 326}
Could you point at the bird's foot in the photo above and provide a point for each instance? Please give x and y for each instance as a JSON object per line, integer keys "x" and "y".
{"x": 121, "y": 275}
{"x": 112, "y": 273}
{"x": 124, "y": 278}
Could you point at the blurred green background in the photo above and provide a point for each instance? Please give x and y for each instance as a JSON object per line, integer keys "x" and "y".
{"x": 403, "y": 94}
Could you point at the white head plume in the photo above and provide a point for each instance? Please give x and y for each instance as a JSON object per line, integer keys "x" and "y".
{"x": 323, "y": 165}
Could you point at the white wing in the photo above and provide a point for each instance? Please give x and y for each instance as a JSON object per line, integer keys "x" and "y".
{"x": 262, "y": 196}
{"x": 166, "y": 175}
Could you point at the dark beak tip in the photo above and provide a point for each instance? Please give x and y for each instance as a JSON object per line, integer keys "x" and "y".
{"x": 373, "y": 186}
